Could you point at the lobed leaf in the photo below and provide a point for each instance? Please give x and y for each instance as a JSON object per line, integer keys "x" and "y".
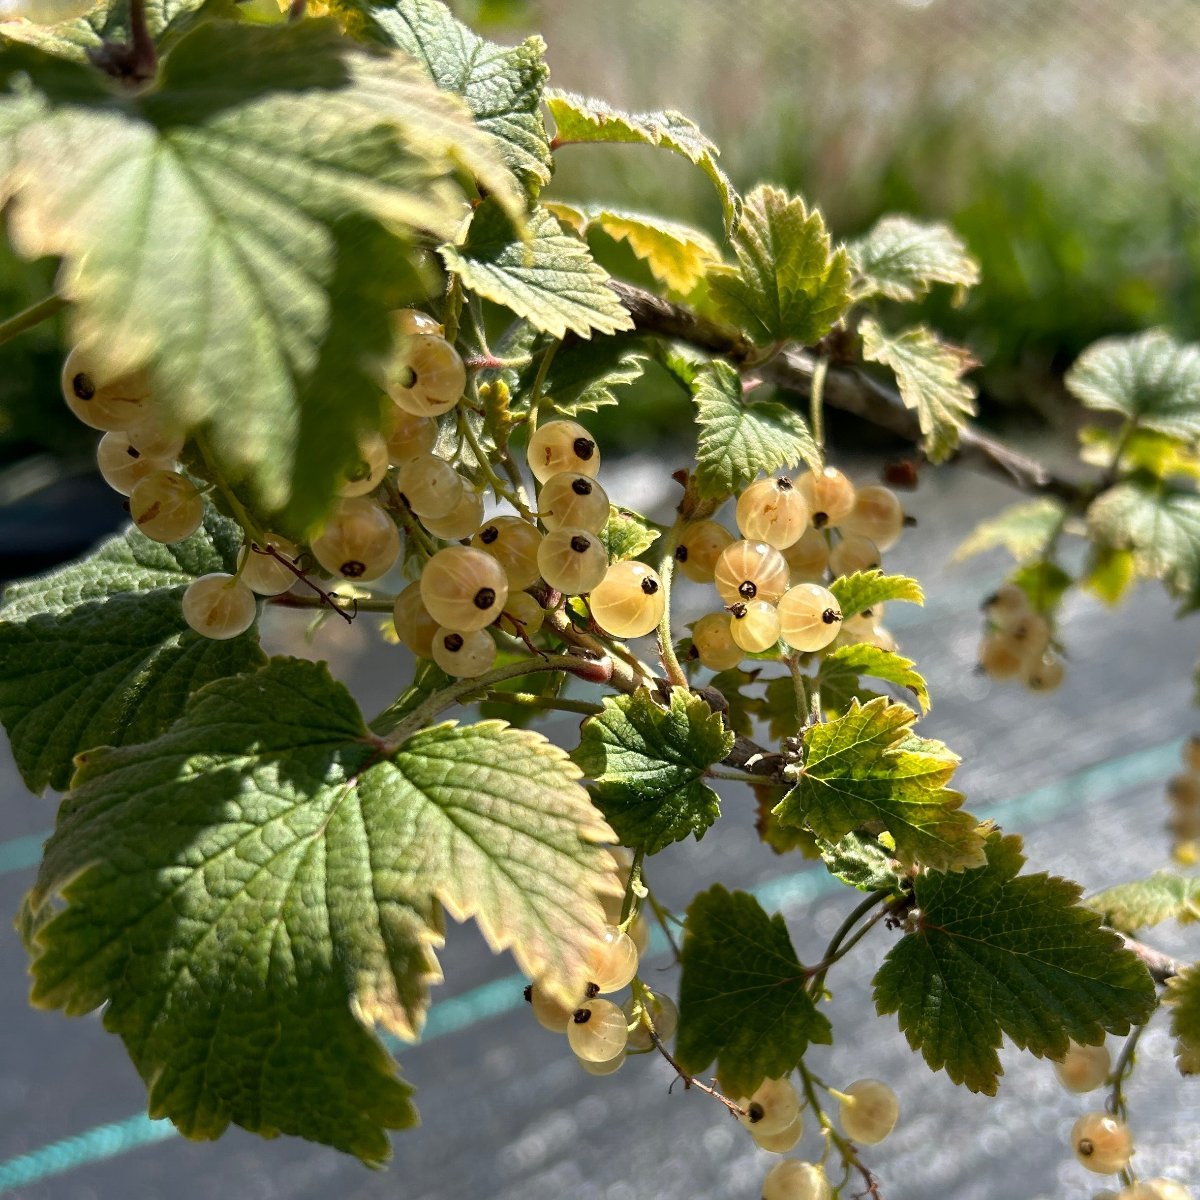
{"x": 583, "y": 376}
{"x": 648, "y": 763}
{"x": 1163, "y": 896}
{"x": 109, "y": 22}
{"x": 627, "y": 534}
{"x": 993, "y": 953}
{"x": 865, "y": 589}
{"x": 842, "y": 667}
{"x": 742, "y": 997}
{"x": 1183, "y": 999}
{"x": 861, "y": 861}
{"x": 901, "y": 259}
{"x": 1022, "y": 529}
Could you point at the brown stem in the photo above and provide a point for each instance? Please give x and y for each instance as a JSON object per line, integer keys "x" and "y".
{"x": 1161, "y": 966}
{"x": 690, "y": 1081}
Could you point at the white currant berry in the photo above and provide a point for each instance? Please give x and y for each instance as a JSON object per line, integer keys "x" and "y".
{"x": 781, "y": 1142}
{"x": 1191, "y": 753}
{"x": 1006, "y": 604}
{"x": 219, "y": 606}
{"x": 366, "y": 473}
{"x": 409, "y": 436}
{"x": 1183, "y": 791}
{"x": 772, "y": 511}
{"x": 1102, "y": 1143}
{"x": 853, "y": 553}
{"x": 859, "y": 627}
{"x": 809, "y": 617}
{"x": 572, "y": 561}
{"x": 409, "y": 321}
{"x": 597, "y": 1031}
{"x": 772, "y": 1108}
{"x": 603, "y": 1068}
{"x": 750, "y": 571}
{"x": 754, "y": 626}
{"x": 830, "y": 496}
{"x": 262, "y": 572}
{"x": 877, "y": 514}
{"x": 713, "y": 641}
{"x": 639, "y": 933}
{"x": 463, "y": 655}
{"x": 550, "y": 1012}
{"x": 1155, "y": 1189}
{"x": 629, "y": 600}
{"x": 101, "y": 401}
{"x": 560, "y": 446}
{"x": 1000, "y": 657}
{"x": 430, "y": 486}
{"x": 461, "y": 521}
{"x": 1083, "y": 1068}
{"x": 166, "y": 507}
{"x": 513, "y": 542}
{"x": 359, "y": 542}
{"x": 150, "y": 438}
{"x": 868, "y": 1111}
{"x": 522, "y": 615}
{"x": 662, "y": 1012}
{"x": 1030, "y": 634}
{"x": 123, "y": 465}
{"x": 700, "y": 545}
{"x": 613, "y": 961}
{"x": 415, "y": 628}
{"x": 808, "y": 559}
{"x": 464, "y": 588}
{"x": 1045, "y": 674}
{"x": 429, "y": 377}
{"x": 882, "y": 639}
{"x": 795, "y": 1180}
{"x": 575, "y": 500}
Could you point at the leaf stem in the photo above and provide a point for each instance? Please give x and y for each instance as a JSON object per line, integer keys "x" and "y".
{"x": 143, "y": 63}
{"x": 539, "y": 381}
{"x": 633, "y": 889}
{"x": 664, "y": 918}
{"x": 34, "y": 315}
{"x": 816, "y": 400}
{"x": 240, "y": 513}
{"x": 375, "y": 604}
{"x": 666, "y": 645}
{"x": 800, "y": 689}
{"x": 1122, "y": 1069}
{"x": 550, "y": 703}
{"x": 690, "y": 1081}
{"x": 500, "y": 487}
{"x": 838, "y": 946}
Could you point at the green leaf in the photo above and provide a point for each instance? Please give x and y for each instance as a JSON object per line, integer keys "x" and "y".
{"x": 1163, "y": 896}
{"x": 502, "y": 85}
{"x": 1183, "y": 997}
{"x": 843, "y": 666}
{"x": 865, "y": 589}
{"x": 742, "y": 710}
{"x": 1149, "y": 378}
{"x": 1109, "y": 573}
{"x": 550, "y": 279}
{"x": 584, "y": 376}
{"x": 789, "y": 283}
{"x": 249, "y": 894}
{"x": 648, "y": 763}
{"x": 74, "y": 39}
{"x": 627, "y": 534}
{"x": 783, "y": 716}
{"x": 737, "y": 441}
{"x": 677, "y": 255}
{"x": 1022, "y": 529}
{"x": 1159, "y": 523}
{"x": 901, "y": 259}
{"x": 929, "y": 375}
{"x": 265, "y": 228}
{"x": 868, "y": 769}
{"x": 860, "y": 861}
{"x": 742, "y": 998}
{"x": 1044, "y": 583}
{"x": 994, "y": 953}
{"x": 98, "y": 653}
{"x": 583, "y": 120}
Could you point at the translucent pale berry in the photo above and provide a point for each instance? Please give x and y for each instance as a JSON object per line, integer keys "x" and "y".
{"x": 101, "y": 401}
{"x": 1030, "y": 634}
{"x": 714, "y": 644}
{"x": 781, "y": 1142}
{"x": 628, "y": 601}
{"x": 750, "y": 571}
{"x": 853, "y": 553}
{"x": 122, "y": 465}
{"x": 1183, "y": 791}
{"x": 809, "y": 617}
{"x": 869, "y": 1111}
{"x": 881, "y": 638}
{"x": 463, "y": 655}
{"x": 597, "y": 1031}
{"x": 151, "y": 439}
{"x": 830, "y": 496}
{"x": 877, "y": 514}
{"x": 772, "y": 511}
{"x": 463, "y": 588}
{"x": 166, "y": 507}
{"x": 365, "y": 474}
{"x": 572, "y": 561}
{"x": 1191, "y": 753}
{"x": 407, "y": 321}
{"x": 461, "y": 521}
{"x": 1000, "y": 657}
{"x": 549, "y": 1011}
{"x": 430, "y": 485}
{"x": 603, "y": 1068}
{"x": 414, "y": 626}
{"x": 575, "y": 500}
{"x": 219, "y": 606}
{"x": 754, "y": 626}
{"x": 808, "y": 559}
{"x": 794, "y": 1180}
{"x": 1102, "y": 1143}
{"x": 561, "y": 446}
{"x": 410, "y": 435}
{"x": 859, "y": 627}
{"x": 429, "y": 378}
{"x": 1045, "y": 674}
{"x": 522, "y": 614}
{"x": 663, "y": 1014}
{"x": 1155, "y": 1189}
{"x": 514, "y": 543}
{"x": 613, "y": 961}
{"x": 1007, "y": 603}
{"x": 1083, "y": 1068}
{"x": 639, "y": 933}
{"x": 700, "y": 545}
{"x": 359, "y": 542}
{"x": 772, "y": 1108}
{"x": 262, "y": 572}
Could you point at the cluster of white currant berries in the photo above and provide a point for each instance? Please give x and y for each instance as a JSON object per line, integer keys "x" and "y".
{"x": 796, "y": 534}
{"x": 1017, "y": 642}
{"x": 1183, "y": 794}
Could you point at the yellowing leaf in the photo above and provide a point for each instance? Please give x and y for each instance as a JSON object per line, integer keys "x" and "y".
{"x": 901, "y": 259}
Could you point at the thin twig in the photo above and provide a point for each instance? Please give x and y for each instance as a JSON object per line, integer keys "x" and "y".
{"x": 27, "y": 318}
{"x": 1161, "y": 966}
{"x": 690, "y": 1081}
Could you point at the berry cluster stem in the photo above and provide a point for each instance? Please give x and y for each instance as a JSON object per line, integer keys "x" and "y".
{"x": 690, "y": 1081}
{"x": 844, "y": 1146}
{"x": 816, "y": 400}
{"x": 30, "y": 317}
{"x": 666, "y": 570}
{"x": 842, "y": 943}
{"x": 241, "y": 514}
